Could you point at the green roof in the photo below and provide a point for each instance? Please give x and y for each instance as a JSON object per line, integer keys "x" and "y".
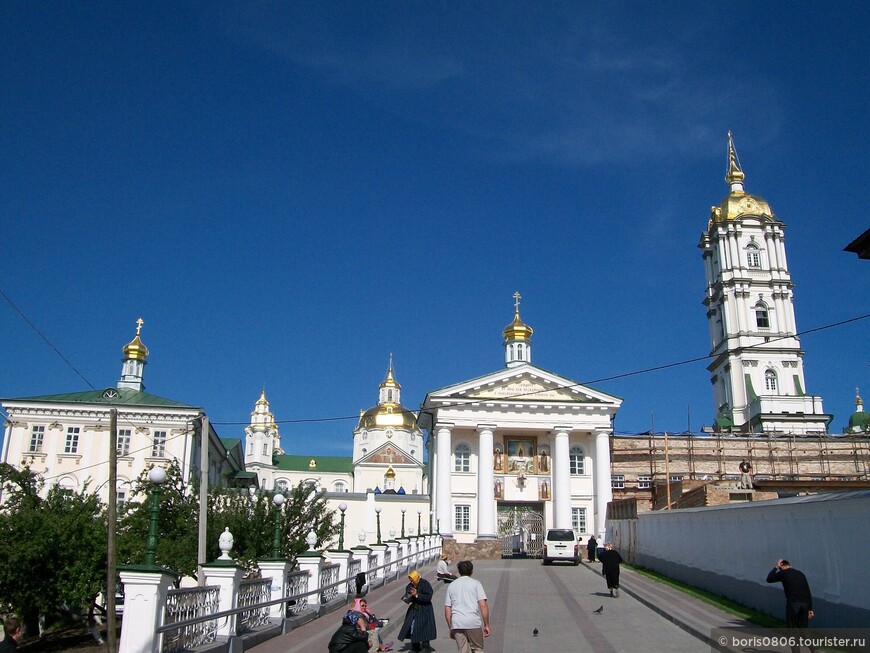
{"x": 126, "y": 397}
{"x": 229, "y": 443}
{"x": 337, "y": 464}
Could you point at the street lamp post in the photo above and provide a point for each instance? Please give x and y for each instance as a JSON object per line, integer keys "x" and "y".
{"x": 403, "y": 522}
{"x": 342, "y": 507}
{"x": 378, "y": 515}
{"x": 419, "y": 516}
{"x": 157, "y": 476}
{"x": 278, "y": 501}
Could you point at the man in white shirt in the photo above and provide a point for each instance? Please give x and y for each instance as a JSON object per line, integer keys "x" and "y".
{"x": 441, "y": 572}
{"x": 466, "y": 611}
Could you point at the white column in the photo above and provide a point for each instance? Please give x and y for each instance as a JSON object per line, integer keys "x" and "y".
{"x": 485, "y": 481}
{"x": 144, "y": 600}
{"x": 561, "y": 479}
{"x": 603, "y": 491}
{"x": 227, "y": 578}
{"x": 277, "y": 571}
{"x": 444, "y": 498}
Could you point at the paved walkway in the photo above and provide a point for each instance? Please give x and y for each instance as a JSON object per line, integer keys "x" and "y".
{"x": 559, "y": 601}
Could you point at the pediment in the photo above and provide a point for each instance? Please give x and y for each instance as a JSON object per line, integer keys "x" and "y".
{"x": 526, "y": 384}
{"x": 387, "y": 454}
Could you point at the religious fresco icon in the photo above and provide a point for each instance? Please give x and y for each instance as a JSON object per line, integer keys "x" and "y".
{"x": 521, "y": 455}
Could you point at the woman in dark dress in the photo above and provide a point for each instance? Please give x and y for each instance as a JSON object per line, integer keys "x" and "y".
{"x": 610, "y": 561}
{"x": 419, "y": 624}
{"x": 351, "y": 636}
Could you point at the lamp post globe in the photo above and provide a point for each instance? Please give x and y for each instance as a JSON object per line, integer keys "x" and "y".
{"x": 378, "y": 515}
{"x": 342, "y": 507}
{"x": 277, "y": 501}
{"x": 403, "y": 522}
{"x": 157, "y": 476}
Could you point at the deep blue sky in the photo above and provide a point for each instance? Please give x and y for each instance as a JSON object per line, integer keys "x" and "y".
{"x": 288, "y": 192}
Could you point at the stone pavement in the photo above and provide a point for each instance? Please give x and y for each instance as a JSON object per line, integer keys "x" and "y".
{"x": 558, "y": 600}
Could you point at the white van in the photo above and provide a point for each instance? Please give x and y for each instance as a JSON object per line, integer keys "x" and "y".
{"x": 561, "y": 544}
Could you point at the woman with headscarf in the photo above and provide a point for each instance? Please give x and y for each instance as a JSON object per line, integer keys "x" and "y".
{"x": 419, "y": 624}
{"x": 351, "y": 636}
{"x": 361, "y": 607}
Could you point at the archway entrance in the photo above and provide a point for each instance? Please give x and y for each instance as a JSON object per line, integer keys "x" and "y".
{"x": 521, "y": 529}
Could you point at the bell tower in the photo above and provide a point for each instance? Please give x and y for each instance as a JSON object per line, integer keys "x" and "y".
{"x": 756, "y": 364}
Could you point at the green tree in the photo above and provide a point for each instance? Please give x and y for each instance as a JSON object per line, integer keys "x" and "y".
{"x": 53, "y": 549}
{"x": 250, "y": 518}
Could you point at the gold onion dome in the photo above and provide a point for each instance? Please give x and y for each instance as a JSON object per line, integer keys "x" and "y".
{"x": 391, "y": 473}
{"x": 136, "y": 349}
{"x": 517, "y": 330}
{"x": 385, "y": 415}
{"x": 738, "y": 202}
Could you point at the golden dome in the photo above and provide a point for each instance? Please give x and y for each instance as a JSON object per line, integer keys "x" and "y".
{"x": 262, "y": 400}
{"x": 391, "y": 473}
{"x": 516, "y": 330}
{"x": 135, "y": 349}
{"x": 739, "y": 203}
{"x": 387, "y": 415}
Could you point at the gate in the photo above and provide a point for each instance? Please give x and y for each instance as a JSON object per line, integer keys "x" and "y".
{"x": 521, "y": 532}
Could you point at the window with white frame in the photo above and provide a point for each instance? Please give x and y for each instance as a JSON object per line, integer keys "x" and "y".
{"x": 462, "y": 458}
{"x": 676, "y": 478}
{"x": 265, "y": 448}
{"x": 339, "y": 486}
{"x": 577, "y": 461}
{"x": 770, "y": 381}
{"x": 282, "y": 485}
{"x": 462, "y": 518}
{"x": 617, "y": 481}
{"x": 37, "y": 434}
{"x": 158, "y": 445}
{"x": 753, "y": 256}
{"x": 578, "y": 520}
{"x": 644, "y": 482}
{"x": 72, "y": 440}
{"x": 124, "y": 438}
{"x": 121, "y": 498}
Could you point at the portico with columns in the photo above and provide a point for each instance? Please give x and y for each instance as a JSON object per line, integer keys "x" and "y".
{"x": 519, "y": 438}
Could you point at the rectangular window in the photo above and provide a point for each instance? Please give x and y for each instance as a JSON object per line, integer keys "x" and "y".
{"x": 644, "y": 482}
{"x": 158, "y": 448}
{"x": 676, "y": 478}
{"x": 265, "y": 448}
{"x": 124, "y": 438}
{"x": 462, "y": 518}
{"x": 72, "y": 440}
{"x": 754, "y": 259}
{"x": 121, "y": 497}
{"x": 36, "y": 436}
{"x": 578, "y": 520}
{"x": 617, "y": 481}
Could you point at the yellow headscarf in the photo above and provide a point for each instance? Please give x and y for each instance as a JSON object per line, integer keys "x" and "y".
{"x": 415, "y": 577}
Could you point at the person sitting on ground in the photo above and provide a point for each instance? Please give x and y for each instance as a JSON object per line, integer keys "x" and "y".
{"x": 361, "y": 607}
{"x": 441, "y": 571}
{"x": 351, "y": 636}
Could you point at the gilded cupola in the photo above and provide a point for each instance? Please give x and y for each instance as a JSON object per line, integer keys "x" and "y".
{"x": 517, "y": 338}
{"x": 738, "y": 203}
{"x": 389, "y": 411}
{"x": 136, "y": 349}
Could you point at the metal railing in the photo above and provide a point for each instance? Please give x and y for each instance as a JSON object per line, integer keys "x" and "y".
{"x": 253, "y": 592}
{"x": 329, "y": 583}
{"x": 184, "y": 605}
{"x": 353, "y": 569}
{"x": 296, "y": 593}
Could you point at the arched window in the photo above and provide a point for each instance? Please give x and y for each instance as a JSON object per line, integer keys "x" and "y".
{"x": 577, "y": 461}
{"x": 753, "y": 256}
{"x": 282, "y": 485}
{"x": 462, "y": 458}
{"x": 339, "y": 486}
{"x": 762, "y": 319}
{"x": 770, "y": 381}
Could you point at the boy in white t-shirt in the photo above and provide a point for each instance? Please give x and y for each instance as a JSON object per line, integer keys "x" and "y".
{"x": 466, "y": 610}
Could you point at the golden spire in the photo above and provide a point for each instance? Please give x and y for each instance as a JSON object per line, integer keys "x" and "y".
{"x": 135, "y": 349}
{"x": 516, "y": 330}
{"x": 390, "y": 382}
{"x": 734, "y": 176}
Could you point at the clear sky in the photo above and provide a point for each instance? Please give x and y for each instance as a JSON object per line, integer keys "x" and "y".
{"x": 288, "y": 192}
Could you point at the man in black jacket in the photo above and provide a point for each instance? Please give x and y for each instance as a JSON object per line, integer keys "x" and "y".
{"x": 798, "y": 598}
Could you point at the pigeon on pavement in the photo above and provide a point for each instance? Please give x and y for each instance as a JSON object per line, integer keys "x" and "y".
{"x": 599, "y": 610}
{"x": 535, "y": 632}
